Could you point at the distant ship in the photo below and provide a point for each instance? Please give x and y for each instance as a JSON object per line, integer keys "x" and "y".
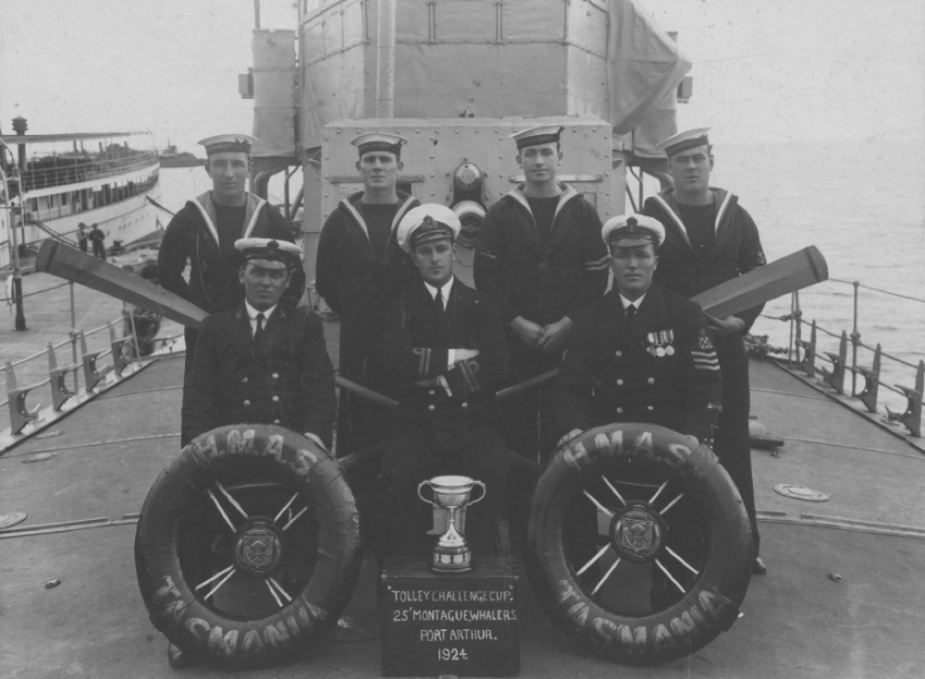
{"x": 169, "y": 157}
{"x": 50, "y": 183}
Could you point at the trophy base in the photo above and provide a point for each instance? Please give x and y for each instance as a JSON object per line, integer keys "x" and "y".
{"x": 451, "y": 561}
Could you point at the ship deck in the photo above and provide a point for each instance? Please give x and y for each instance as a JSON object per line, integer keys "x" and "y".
{"x": 799, "y": 620}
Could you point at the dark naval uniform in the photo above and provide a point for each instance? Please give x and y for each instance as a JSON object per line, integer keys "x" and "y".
{"x": 659, "y": 367}
{"x": 541, "y": 283}
{"x": 449, "y": 429}
{"x": 689, "y": 266}
{"x": 202, "y": 235}
{"x": 357, "y": 275}
{"x": 287, "y": 380}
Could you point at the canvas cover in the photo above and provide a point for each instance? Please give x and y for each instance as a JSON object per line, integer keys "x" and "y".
{"x": 486, "y": 59}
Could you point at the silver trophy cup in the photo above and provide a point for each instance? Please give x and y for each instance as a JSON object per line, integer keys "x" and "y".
{"x": 452, "y": 494}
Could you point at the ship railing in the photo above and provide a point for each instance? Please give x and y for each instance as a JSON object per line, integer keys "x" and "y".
{"x": 64, "y": 381}
{"x": 86, "y": 170}
{"x": 804, "y": 352}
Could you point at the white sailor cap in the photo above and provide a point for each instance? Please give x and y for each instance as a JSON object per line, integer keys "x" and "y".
{"x": 379, "y": 141}
{"x": 633, "y": 230}
{"x": 272, "y": 253}
{"x": 540, "y": 134}
{"x": 684, "y": 140}
{"x": 426, "y": 223}
{"x": 225, "y": 143}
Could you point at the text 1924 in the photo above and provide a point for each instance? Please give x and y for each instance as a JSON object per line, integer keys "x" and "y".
{"x": 452, "y": 654}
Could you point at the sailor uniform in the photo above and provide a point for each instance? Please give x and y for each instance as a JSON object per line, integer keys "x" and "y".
{"x": 285, "y": 377}
{"x": 541, "y": 284}
{"x": 200, "y": 236}
{"x": 657, "y": 365}
{"x": 449, "y": 426}
{"x": 735, "y": 250}
{"x": 357, "y": 280}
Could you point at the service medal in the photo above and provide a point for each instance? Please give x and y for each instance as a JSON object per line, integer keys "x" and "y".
{"x": 669, "y": 350}
{"x": 660, "y": 351}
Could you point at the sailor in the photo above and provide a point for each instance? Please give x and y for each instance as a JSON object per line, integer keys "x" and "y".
{"x": 640, "y": 353}
{"x": 445, "y": 347}
{"x": 540, "y": 255}
{"x": 204, "y": 231}
{"x": 98, "y": 238}
{"x": 262, "y": 361}
{"x": 711, "y": 239}
{"x": 359, "y": 269}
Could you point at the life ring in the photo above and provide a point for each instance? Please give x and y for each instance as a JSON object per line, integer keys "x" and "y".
{"x": 639, "y": 545}
{"x": 247, "y": 547}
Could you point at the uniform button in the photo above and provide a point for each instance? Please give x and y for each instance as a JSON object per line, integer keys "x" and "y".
{"x": 618, "y": 353}
{"x": 431, "y": 407}
{"x": 431, "y": 392}
{"x": 650, "y": 407}
{"x": 620, "y": 382}
{"x": 619, "y": 411}
{"x": 275, "y": 421}
{"x": 275, "y": 399}
{"x": 275, "y": 376}
{"x": 651, "y": 380}
{"x": 244, "y": 380}
{"x": 246, "y": 403}
{"x": 465, "y": 404}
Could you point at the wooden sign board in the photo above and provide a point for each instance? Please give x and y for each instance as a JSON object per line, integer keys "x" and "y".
{"x": 454, "y": 624}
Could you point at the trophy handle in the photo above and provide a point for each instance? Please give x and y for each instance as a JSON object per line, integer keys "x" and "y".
{"x": 482, "y": 496}
{"x": 420, "y": 488}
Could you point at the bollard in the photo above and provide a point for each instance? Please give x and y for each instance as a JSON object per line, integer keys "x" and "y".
{"x": 836, "y": 377}
{"x": 869, "y": 394}
{"x": 808, "y": 362}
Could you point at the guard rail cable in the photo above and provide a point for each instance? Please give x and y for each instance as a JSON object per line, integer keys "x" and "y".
{"x": 803, "y": 353}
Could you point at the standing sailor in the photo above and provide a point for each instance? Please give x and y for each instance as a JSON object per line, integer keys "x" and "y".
{"x": 359, "y": 270}
{"x": 204, "y": 232}
{"x": 541, "y": 257}
{"x": 711, "y": 239}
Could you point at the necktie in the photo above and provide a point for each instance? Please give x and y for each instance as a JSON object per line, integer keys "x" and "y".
{"x": 630, "y": 312}
{"x": 438, "y": 302}
{"x": 258, "y": 333}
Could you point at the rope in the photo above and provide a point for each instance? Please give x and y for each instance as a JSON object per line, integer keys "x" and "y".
{"x": 158, "y": 205}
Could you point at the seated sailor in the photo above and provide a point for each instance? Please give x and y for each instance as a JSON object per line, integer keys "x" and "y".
{"x": 262, "y": 362}
{"x": 640, "y": 353}
{"x": 445, "y": 349}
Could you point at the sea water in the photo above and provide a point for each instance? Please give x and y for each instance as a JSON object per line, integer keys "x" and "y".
{"x": 862, "y": 203}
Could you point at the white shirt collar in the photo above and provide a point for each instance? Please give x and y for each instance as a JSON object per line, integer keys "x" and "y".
{"x": 636, "y": 303}
{"x": 445, "y": 290}
{"x": 252, "y": 312}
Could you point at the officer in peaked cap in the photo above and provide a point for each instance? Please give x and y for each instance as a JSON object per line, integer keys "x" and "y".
{"x": 262, "y": 362}
{"x": 445, "y": 349}
{"x": 641, "y": 354}
{"x": 540, "y": 255}
{"x": 710, "y": 239}
{"x": 648, "y": 346}
{"x": 203, "y": 234}
{"x": 360, "y": 268}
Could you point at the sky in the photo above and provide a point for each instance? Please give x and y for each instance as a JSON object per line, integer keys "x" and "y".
{"x": 787, "y": 70}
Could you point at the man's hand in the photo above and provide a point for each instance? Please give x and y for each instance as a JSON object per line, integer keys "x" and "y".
{"x": 526, "y": 331}
{"x": 723, "y": 327}
{"x": 555, "y": 335}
